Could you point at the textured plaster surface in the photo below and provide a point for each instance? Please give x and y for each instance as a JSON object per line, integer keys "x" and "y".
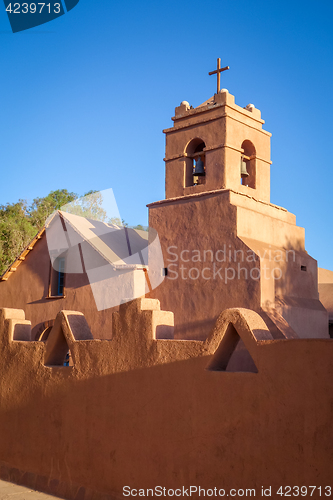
{"x": 325, "y": 280}
{"x": 142, "y": 412}
{"x": 213, "y": 221}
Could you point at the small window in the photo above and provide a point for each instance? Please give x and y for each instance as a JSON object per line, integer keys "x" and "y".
{"x": 57, "y": 278}
{"x": 61, "y": 276}
{"x": 303, "y": 268}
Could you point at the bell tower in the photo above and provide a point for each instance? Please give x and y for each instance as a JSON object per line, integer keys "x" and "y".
{"x": 224, "y": 244}
{"x": 217, "y": 145}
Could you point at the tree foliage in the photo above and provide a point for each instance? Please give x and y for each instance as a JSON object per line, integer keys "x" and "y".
{"x": 41, "y": 208}
{"x": 117, "y": 221}
{"x": 19, "y": 223}
{"x": 89, "y": 206}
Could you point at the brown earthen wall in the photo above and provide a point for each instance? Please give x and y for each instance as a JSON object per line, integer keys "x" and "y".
{"x": 27, "y": 289}
{"x": 198, "y": 224}
{"x": 138, "y": 412}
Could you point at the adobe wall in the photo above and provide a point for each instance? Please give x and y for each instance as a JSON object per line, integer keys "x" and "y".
{"x": 223, "y": 249}
{"x": 325, "y": 287}
{"x": 293, "y": 291}
{"x": 142, "y": 412}
{"x": 27, "y": 289}
{"x": 199, "y": 292}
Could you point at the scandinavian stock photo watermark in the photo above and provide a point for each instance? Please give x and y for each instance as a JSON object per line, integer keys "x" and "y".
{"x": 226, "y": 263}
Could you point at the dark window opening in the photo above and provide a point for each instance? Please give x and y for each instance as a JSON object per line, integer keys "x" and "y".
{"x": 61, "y": 276}
{"x": 57, "y": 352}
{"x": 68, "y": 359}
{"x": 57, "y": 278}
{"x": 303, "y": 268}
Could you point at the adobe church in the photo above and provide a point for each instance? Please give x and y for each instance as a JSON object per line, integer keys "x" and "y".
{"x": 238, "y": 399}
{"x": 224, "y": 244}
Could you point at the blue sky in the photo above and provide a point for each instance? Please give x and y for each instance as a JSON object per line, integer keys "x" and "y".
{"x": 85, "y": 97}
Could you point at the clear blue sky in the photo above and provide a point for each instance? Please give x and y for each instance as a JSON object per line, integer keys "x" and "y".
{"x": 85, "y": 97}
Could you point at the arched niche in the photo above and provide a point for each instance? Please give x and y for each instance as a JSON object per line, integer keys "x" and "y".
{"x": 248, "y": 164}
{"x": 194, "y": 153}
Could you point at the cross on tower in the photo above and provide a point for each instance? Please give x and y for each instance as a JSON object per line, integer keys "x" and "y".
{"x": 218, "y": 72}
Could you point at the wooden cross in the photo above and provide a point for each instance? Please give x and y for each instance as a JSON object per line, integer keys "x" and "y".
{"x": 218, "y": 72}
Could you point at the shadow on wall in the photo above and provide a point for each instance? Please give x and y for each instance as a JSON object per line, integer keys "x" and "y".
{"x": 74, "y": 437}
{"x": 96, "y": 427}
{"x": 299, "y": 273}
{"x": 296, "y": 290}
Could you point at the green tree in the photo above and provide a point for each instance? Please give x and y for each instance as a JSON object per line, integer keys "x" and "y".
{"x": 19, "y": 223}
{"x": 16, "y": 231}
{"x": 41, "y": 208}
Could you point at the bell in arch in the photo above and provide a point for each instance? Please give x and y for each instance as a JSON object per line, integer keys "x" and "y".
{"x": 199, "y": 168}
{"x": 243, "y": 169}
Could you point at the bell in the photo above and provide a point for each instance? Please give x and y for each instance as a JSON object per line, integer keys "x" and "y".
{"x": 199, "y": 168}
{"x": 244, "y": 172}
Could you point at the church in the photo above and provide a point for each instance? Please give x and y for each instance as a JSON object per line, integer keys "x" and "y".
{"x": 216, "y": 380}
{"x": 224, "y": 244}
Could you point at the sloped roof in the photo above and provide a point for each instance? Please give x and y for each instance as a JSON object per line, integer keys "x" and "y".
{"x": 13, "y": 267}
{"x": 117, "y": 245}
